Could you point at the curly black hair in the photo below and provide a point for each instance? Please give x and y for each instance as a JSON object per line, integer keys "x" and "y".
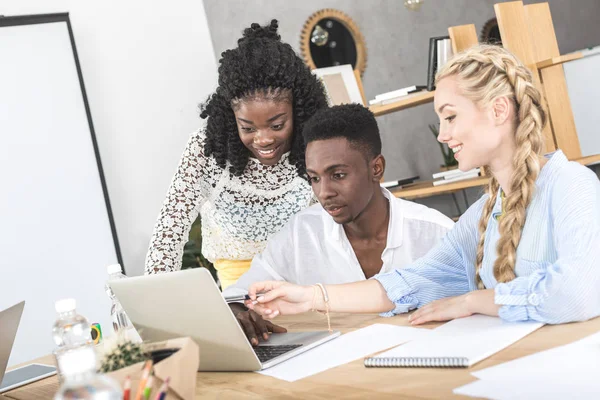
{"x": 353, "y": 122}
{"x": 261, "y": 65}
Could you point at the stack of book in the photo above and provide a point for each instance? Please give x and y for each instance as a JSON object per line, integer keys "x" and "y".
{"x": 454, "y": 175}
{"x": 392, "y": 97}
{"x": 440, "y": 51}
{"x": 399, "y": 183}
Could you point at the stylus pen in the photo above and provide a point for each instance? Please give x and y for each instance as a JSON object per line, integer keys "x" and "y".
{"x": 241, "y": 297}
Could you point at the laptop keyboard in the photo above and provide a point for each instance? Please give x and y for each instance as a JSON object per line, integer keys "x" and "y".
{"x": 266, "y": 353}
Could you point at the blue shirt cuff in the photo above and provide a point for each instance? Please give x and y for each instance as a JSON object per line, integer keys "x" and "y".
{"x": 516, "y": 300}
{"x": 397, "y": 291}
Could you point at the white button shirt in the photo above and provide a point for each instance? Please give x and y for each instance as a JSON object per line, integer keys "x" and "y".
{"x": 312, "y": 248}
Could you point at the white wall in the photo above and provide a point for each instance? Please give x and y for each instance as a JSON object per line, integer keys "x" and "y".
{"x": 146, "y": 66}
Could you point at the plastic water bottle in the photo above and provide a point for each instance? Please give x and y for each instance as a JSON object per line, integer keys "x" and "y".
{"x": 76, "y": 358}
{"x": 121, "y": 323}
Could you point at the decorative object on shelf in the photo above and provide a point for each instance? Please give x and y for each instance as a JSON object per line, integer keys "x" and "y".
{"x": 340, "y": 84}
{"x": 490, "y": 33}
{"x": 413, "y": 5}
{"x": 331, "y": 38}
{"x": 449, "y": 160}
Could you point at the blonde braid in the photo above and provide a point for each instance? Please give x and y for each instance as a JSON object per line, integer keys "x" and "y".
{"x": 526, "y": 166}
{"x": 492, "y": 191}
{"x": 484, "y": 73}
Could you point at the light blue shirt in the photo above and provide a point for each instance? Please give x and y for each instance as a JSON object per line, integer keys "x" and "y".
{"x": 558, "y": 257}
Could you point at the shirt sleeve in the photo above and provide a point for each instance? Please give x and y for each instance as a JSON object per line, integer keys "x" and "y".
{"x": 568, "y": 289}
{"x": 274, "y": 263}
{"x": 441, "y": 272}
{"x": 187, "y": 193}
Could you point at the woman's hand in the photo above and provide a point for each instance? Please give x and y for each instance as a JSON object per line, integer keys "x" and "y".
{"x": 476, "y": 302}
{"x": 272, "y": 298}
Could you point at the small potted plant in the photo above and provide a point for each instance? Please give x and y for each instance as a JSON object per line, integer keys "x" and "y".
{"x": 449, "y": 160}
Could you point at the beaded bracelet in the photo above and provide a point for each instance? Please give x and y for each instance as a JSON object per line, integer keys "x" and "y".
{"x": 326, "y": 299}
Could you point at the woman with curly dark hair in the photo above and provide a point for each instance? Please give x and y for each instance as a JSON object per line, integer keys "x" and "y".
{"x": 244, "y": 171}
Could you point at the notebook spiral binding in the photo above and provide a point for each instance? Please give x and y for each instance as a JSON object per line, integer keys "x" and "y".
{"x": 421, "y": 362}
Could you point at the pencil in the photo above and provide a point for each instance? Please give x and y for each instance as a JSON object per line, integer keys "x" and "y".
{"x": 162, "y": 393}
{"x": 148, "y": 388}
{"x": 127, "y": 388}
{"x": 145, "y": 376}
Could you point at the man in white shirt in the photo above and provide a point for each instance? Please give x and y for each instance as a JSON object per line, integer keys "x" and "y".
{"x": 359, "y": 229}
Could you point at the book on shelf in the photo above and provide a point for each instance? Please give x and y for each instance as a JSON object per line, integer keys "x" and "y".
{"x": 396, "y": 95}
{"x": 440, "y": 50}
{"x": 456, "y": 178}
{"x": 453, "y": 173}
{"x": 399, "y": 183}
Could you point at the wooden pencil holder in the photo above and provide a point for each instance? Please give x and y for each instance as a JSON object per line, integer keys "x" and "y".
{"x": 176, "y": 359}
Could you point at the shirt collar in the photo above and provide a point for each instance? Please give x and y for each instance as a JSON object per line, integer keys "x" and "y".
{"x": 395, "y": 225}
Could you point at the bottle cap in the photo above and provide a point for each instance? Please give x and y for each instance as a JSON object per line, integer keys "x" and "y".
{"x": 114, "y": 268}
{"x": 65, "y": 305}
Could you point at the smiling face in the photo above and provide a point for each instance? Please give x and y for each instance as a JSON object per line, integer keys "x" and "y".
{"x": 341, "y": 177}
{"x": 475, "y": 135}
{"x": 265, "y": 127}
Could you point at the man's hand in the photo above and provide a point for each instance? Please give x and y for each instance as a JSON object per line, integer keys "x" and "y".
{"x": 253, "y": 324}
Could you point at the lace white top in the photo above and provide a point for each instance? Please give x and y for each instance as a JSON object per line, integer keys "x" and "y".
{"x": 239, "y": 213}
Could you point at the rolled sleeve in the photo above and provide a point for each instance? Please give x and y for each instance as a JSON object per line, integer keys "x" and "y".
{"x": 520, "y": 297}
{"x": 513, "y": 300}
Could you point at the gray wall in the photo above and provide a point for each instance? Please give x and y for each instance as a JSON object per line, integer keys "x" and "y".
{"x": 397, "y": 46}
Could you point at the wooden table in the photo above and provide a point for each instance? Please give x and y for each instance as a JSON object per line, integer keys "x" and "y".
{"x": 353, "y": 380}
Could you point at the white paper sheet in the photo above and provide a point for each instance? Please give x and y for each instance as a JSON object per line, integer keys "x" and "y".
{"x": 346, "y": 348}
{"x": 564, "y": 372}
{"x": 530, "y": 390}
{"x": 579, "y": 361}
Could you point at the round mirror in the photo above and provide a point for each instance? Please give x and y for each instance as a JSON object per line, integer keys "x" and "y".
{"x": 331, "y": 38}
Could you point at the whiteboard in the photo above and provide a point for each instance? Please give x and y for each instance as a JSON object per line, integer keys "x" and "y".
{"x": 584, "y": 92}
{"x": 56, "y": 230}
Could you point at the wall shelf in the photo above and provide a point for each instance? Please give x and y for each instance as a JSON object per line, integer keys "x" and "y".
{"x": 411, "y": 100}
{"x": 558, "y": 60}
{"x": 426, "y": 188}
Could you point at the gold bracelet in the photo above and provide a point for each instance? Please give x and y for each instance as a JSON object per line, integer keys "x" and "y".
{"x": 326, "y": 300}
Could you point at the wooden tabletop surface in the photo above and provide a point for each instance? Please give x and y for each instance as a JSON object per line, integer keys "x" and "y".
{"x": 352, "y": 380}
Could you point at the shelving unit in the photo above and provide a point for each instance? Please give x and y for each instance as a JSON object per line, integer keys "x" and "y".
{"x": 518, "y": 25}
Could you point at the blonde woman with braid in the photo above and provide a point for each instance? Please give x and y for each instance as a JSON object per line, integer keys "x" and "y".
{"x": 529, "y": 249}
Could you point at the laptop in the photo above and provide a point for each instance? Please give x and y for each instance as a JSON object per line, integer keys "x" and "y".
{"x": 189, "y": 303}
{"x": 9, "y": 322}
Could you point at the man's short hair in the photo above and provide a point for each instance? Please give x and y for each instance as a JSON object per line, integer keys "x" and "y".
{"x": 353, "y": 122}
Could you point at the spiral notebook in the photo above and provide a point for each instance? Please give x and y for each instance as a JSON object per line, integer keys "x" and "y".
{"x": 460, "y": 343}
